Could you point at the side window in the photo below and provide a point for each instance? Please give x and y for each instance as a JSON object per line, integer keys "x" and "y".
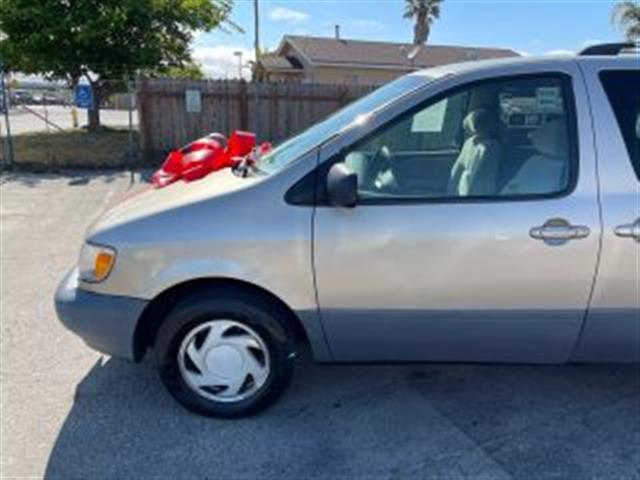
{"x": 624, "y": 95}
{"x": 504, "y": 138}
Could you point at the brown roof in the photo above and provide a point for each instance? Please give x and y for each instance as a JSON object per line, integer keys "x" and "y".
{"x": 384, "y": 54}
{"x": 276, "y": 62}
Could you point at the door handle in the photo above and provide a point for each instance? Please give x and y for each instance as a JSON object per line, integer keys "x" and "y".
{"x": 631, "y": 230}
{"x": 558, "y": 231}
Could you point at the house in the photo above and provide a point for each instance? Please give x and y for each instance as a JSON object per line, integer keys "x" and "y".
{"x": 342, "y": 61}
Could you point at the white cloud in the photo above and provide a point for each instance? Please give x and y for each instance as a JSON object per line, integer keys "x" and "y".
{"x": 198, "y": 34}
{"x": 220, "y": 62}
{"x": 559, "y": 52}
{"x": 284, "y": 14}
{"x": 367, "y": 24}
{"x": 586, "y": 43}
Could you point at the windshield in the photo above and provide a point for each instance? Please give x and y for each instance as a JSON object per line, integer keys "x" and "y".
{"x": 302, "y": 143}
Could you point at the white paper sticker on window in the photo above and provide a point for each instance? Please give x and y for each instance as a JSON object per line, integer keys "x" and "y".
{"x": 193, "y": 100}
{"x": 549, "y": 99}
{"x": 430, "y": 119}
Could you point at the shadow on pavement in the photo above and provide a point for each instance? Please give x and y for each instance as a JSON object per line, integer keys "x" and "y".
{"x": 72, "y": 177}
{"x": 401, "y": 421}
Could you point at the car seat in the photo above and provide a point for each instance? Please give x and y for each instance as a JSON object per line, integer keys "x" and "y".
{"x": 475, "y": 171}
{"x": 547, "y": 170}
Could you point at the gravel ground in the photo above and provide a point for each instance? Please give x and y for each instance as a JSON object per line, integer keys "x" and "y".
{"x": 69, "y": 412}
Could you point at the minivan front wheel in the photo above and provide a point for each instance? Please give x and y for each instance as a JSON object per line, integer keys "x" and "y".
{"x": 224, "y": 360}
{"x": 225, "y": 355}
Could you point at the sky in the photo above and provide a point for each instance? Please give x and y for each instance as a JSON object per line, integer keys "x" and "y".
{"x": 530, "y": 27}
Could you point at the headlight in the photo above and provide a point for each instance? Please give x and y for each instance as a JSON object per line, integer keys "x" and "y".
{"x": 96, "y": 262}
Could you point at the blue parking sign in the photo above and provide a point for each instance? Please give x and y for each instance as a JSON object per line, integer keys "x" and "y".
{"x": 84, "y": 96}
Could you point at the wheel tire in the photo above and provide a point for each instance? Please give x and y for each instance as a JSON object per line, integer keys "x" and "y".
{"x": 257, "y": 313}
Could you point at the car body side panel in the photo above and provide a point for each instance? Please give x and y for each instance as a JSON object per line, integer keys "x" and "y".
{"x": 458, "y": 281}
{"x": 449, "y": 335}
{"x": 612, "y": 328}
{"x": 250, "y": 235}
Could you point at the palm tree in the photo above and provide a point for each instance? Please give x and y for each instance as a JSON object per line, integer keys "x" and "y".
{"x": 627, "y": 16}
{"x": 424, "y": 13}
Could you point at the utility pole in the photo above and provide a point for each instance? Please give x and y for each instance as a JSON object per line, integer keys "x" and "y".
{"x": 256, "y": 66}
{"x": 256, "y": 19}
{"x": 130, "y": 108}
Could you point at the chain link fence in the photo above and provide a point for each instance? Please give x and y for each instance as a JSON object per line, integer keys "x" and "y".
{"x": 43, "y": 127}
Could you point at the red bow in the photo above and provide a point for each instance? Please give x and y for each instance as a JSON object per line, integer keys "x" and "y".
{"x": 206, "y": 155}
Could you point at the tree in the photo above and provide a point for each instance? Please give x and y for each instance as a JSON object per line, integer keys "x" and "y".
{"x": 424, "y": 13}
{"x": 627, "y": 16}
{"x": 103, "y": 40}
{"x": 189, "y": 71}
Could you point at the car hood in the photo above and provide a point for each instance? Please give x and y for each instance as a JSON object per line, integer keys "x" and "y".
{"x": 149, "y": 202}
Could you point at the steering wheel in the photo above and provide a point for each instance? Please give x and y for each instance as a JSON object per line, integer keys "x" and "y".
{"x": 380, "y": 162}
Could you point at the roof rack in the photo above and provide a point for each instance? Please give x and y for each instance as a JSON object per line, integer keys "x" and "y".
{"x": 610, "y": 49}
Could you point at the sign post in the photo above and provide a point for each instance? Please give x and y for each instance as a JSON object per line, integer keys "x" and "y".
{"x": 5, "y": 109}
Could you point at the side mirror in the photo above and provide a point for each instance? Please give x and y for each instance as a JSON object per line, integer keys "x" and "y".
{"x": 342, "y": 186}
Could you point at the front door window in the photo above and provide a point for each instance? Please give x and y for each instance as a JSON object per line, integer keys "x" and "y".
{"x": 504, "y": 138}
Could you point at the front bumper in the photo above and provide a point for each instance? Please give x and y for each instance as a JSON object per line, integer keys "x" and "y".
{"x": 106, "y": 323}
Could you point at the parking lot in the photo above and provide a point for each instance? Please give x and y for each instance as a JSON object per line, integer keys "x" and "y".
{"x": 30, "y": 118}
{"x": 69, "y": 412}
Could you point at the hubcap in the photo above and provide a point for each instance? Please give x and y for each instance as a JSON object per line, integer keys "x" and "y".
{"x": 224, "y": 360}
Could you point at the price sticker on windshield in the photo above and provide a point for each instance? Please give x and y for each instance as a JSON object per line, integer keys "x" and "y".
{"x": 549, "y": 99}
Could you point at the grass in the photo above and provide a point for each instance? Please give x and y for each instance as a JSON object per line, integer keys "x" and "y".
{"x": 108, "y": 148}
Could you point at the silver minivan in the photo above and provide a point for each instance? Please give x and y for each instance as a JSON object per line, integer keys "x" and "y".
{"x": 479, "y": 212}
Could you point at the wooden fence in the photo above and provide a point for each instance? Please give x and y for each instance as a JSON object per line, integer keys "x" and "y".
{"x": 274, "y": 111}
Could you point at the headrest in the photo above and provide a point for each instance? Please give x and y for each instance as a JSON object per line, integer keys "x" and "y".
{"x": 481, "y": 123}
{"x": 551, "y": 139}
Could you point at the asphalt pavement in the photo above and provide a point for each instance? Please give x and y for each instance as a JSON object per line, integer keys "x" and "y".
{"x": 30, "y": 118}
{"x": 69, "y": 412}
